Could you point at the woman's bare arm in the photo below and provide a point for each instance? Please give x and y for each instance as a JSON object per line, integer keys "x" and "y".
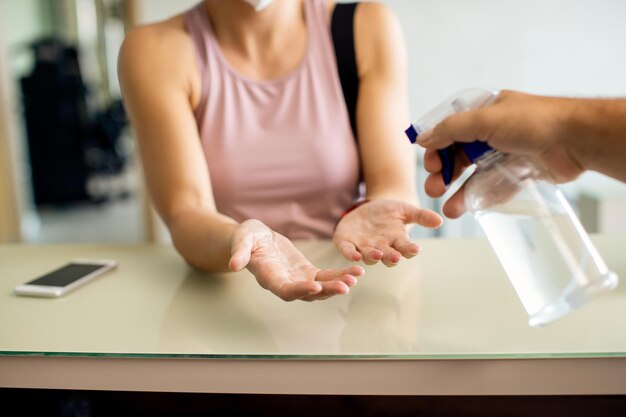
{"x": 389, "y": 162}
{"x": 160, "y": 84}
{"x": 376, "y": 231}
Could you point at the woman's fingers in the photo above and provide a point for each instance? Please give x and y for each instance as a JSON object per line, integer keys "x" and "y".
{"x": 423, "y": 217}
{"x": 407, "y": 248}
{"x": 347, "y": 275}
{"x": 281, "y": 268}
{"x": 349, "y": 251}
{"x": 241, "y": 249}
{"x": 334, "y": 288}
{"x": 370, "y": 254}
{"x": 329, "y": 289}
{"x": 310, "y": 284}
{"x": 312, "y": 290}
{"x": 295, "y": 290}
{"x": 391, "y": 256}
{"x": 335, "y": 282}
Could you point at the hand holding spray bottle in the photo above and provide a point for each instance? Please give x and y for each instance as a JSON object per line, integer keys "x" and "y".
{"x": 549, "y": 258}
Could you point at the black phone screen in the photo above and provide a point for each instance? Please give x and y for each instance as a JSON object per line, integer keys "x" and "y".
{"x": 65, "y": 275}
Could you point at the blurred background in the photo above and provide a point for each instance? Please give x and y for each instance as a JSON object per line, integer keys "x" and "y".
{"x": 68, "y": 167}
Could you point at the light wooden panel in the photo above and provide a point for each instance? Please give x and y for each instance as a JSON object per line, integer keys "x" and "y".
{"x": 9, "y": 210}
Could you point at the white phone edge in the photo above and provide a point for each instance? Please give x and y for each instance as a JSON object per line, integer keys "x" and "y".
{"x": 55, "y": 292}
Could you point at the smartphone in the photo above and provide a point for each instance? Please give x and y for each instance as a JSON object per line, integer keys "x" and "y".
{"x": 65, "y": 279}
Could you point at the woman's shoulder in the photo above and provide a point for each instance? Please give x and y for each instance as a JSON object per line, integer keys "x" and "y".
{"x": 374, "y": 23}
{"x": 164, "y": 38}
{"x": 375, "y": 17}
{"x": 377, "y": 35}
{"x": 160, "y": 52}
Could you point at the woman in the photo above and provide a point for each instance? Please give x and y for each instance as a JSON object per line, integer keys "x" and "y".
{"x": 246, "y": 142}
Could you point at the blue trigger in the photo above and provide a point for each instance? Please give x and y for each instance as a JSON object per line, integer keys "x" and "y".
{"x": 446, "y": 155}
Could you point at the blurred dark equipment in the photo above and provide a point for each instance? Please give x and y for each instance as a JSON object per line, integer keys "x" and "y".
{"x": 63, "y": 136}
{"x": 104, "y": 155}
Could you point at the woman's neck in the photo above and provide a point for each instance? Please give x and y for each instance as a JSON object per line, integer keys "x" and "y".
{"x": 248, "y": 33}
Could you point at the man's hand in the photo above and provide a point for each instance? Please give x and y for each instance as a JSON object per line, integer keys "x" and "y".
{"x": 516, "y": 123}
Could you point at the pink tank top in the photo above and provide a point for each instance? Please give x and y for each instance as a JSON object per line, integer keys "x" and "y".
{"x": 281, "y": 151}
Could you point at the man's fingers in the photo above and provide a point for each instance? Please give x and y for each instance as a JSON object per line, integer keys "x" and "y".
{"x": 466, "y": 126}
{"x": 432, "y": 162}
{"x": 455, "y": 206}
{"x": 434, "y": 186}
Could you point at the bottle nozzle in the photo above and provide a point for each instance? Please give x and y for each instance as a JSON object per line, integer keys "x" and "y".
{"x": 462, "y": 101}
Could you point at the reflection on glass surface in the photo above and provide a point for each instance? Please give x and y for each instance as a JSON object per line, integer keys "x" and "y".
{"x": 231, "y": 314}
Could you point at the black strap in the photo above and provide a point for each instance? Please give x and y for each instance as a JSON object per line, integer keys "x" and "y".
{"x": 342, "y": 30}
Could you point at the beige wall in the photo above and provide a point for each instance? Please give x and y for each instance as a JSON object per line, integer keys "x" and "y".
{"x": 149, "y": 11}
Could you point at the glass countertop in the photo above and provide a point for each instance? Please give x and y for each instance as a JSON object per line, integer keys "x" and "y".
{"x": 453, "y": 301}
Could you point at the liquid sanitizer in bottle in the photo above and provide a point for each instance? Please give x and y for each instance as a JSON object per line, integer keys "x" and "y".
{"x": 549, "y": 258}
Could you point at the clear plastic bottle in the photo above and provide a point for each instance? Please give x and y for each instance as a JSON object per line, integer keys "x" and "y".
{"x": 547, "y": 255}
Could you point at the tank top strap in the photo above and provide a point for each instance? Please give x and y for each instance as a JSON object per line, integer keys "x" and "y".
{"x": 198, "y": 28}
{"x": 322, "y": 51}
{"x": 318, "y": 23}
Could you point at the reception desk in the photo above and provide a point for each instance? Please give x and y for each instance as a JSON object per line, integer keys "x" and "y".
{"x": 444, "y": 323}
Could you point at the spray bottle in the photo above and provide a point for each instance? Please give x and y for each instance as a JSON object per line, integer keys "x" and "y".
{"x": 542, "y": 246}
